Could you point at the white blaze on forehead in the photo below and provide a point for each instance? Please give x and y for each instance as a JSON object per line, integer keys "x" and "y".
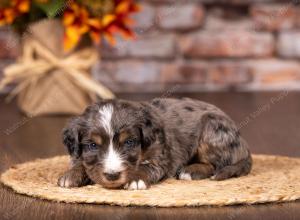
{"x": 112, "y": 159}
{"x": 105, "y": 118}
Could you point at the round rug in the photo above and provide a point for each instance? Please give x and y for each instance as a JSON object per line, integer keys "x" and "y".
{"x": 272, "y": 179}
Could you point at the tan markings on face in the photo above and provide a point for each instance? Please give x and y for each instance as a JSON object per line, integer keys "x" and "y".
{"x": 97, "y": 139}
{"x": 123, "y": 136}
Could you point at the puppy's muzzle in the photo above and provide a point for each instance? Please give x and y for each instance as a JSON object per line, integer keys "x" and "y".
{"x": 112, "y": 176}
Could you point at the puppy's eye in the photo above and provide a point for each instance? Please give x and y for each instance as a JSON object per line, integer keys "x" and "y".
{"x": 129, "y": 143}
{"x": 93, "y": 146}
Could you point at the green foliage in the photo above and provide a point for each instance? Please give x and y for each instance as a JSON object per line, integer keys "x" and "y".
{"x": 53, "y": 8}
{"x": 98, "y": 7}
{"x": 35, "y": 14}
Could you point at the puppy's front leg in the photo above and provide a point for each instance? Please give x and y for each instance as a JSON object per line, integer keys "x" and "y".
{"x": 147, "y": 173}
{"x": 74, "y": 177}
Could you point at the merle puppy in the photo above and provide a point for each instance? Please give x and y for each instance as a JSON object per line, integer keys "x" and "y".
{"x": 131, "y": 145}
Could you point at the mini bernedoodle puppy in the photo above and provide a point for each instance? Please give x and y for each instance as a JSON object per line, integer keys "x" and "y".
{"x": 131, "y": 145}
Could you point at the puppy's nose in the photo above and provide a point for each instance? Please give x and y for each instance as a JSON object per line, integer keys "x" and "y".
{"x": 112, "y": 176}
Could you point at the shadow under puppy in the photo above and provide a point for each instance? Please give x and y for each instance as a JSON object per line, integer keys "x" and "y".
{"x": 131, "y": 145}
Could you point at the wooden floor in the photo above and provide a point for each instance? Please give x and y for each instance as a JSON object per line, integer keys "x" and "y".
{"x": 269, "y": 121}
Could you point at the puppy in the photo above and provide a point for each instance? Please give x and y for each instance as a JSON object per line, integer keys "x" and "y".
{"x": 131, "y": 145}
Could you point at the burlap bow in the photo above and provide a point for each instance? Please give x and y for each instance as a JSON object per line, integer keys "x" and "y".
{"x": 37, "y": 60}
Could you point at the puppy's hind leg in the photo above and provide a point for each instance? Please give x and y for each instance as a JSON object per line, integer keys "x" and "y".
{"x": 223, "y": 147}
{"x": 196, "y": 171}
{"x": 240, "y": 168}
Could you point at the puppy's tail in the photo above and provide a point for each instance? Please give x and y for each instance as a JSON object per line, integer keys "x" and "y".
{"x": 241, "y": 168}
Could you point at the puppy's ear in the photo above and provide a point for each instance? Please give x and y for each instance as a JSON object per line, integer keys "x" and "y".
{"x": 150, "y": 128}
{"x": 71, "y": 137}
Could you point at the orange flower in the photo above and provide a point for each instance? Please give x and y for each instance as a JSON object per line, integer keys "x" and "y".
{"x": 15, "y": 9}
{"x": 118, "y": 21}
{"x": 75, "y": 20}
{"x": 78, "y": 22}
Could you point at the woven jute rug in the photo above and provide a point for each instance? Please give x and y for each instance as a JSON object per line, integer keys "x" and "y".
{"x": 273, "y": 179}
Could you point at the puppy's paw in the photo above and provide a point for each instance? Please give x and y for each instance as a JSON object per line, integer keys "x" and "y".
{"x": 136, "y": 185}
{"x": 185, "y": 176}
{"x": 72, "y": 179}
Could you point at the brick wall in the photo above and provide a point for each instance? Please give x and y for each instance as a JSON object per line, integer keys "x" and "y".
{"x": 199, "y": 45}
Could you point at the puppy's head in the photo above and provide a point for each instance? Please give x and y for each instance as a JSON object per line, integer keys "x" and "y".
{"x": 111, "y": 138}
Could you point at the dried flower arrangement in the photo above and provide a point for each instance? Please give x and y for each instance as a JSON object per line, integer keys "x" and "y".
{"x": 52, "y": 74}
{"x": 92, "y": 18}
